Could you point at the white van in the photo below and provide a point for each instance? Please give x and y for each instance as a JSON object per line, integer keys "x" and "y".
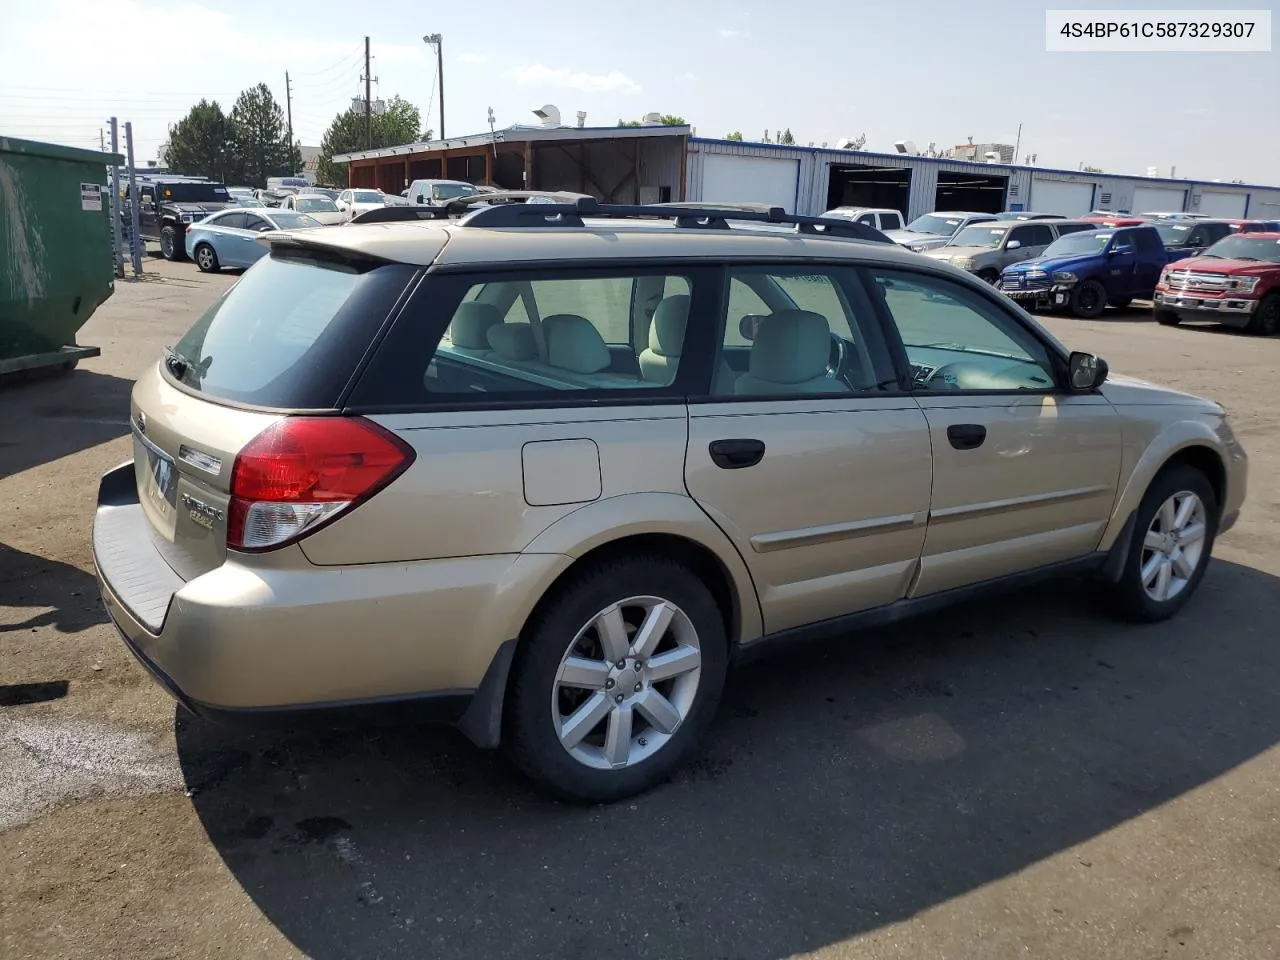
{"x": 433, "y": 193}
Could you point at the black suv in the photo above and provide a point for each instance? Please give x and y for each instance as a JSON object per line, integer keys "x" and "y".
{"x": 168, "y": 205}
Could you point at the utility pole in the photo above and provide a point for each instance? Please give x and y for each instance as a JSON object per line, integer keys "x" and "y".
{"x": 135, "y": 244}
{"x": 102, "y": 141}
{"x": 116, "y": 258}
{"x": 368, "y": 99}
{"x": 1017, "y": 145}
{"x": 437, "y": 41}
{"x": 288, "y": 105}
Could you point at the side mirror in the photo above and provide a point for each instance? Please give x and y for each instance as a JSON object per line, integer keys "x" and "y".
{"x": 420, "y": 199}
{"x": 1086, "y": 372}
{"x": 1013, "y": 245}
{"x": 748, "y": 325}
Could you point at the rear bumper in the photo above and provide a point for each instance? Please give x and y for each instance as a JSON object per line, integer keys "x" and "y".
{"x": 276, "y": 636}
{"x": 1235, "y": 312}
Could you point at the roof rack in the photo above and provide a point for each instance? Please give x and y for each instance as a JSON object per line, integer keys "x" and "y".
{"x": 401, "y": 214}
{"x": 687, "y": 216}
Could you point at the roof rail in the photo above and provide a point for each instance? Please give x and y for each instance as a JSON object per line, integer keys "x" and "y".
{"x": 401, "y": 214}
{"x": 687, "y": 216}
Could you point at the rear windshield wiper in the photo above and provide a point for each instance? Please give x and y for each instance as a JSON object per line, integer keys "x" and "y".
{"x": 181, "y": 366}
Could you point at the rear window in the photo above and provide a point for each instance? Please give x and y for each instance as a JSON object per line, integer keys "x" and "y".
{"x": 291, "y": 333}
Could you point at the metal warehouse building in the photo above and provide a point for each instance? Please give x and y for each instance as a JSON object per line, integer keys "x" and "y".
{"x": 809, "y": 180}
{"x": 650, "y": 164}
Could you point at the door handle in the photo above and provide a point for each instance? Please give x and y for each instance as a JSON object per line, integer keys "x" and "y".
{"x": 966, "y": 436}
{"x": 736, "y": 454}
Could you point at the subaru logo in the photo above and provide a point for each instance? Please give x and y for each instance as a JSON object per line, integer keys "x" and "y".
{"x": 140, "y": 421}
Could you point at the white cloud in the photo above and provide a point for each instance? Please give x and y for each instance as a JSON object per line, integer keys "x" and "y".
{"x": 1195, "y": 111}
{"x": 472, "y": 58}
{"x": 690, "y": 77}
{"x": 728, "y": 32}
{"x": 537, "y": 74}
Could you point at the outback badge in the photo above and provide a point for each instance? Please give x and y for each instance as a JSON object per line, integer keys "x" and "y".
{"x": 200, "y": 512}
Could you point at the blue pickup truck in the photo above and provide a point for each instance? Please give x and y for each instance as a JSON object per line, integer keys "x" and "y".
{"x": 1084, "y": 273}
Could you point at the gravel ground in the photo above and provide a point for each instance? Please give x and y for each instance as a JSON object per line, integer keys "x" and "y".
{"x": 1021, "y": 779}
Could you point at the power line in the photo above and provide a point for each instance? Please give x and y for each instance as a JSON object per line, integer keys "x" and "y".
{"x": 352, "y": 58}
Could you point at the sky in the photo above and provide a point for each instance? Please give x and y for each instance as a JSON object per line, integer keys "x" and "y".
{"x": 921, "y": 70}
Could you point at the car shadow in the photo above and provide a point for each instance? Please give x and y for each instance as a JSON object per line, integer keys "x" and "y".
{"x": 52, "y": 417}
{"x": 845, "y": 786}
{"x": 62, "y": 595}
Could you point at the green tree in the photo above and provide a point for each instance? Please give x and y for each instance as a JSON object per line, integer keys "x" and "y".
{"x": 736, "y": 135}
{"x": 398, "y": 124}
{"x": 786, "y": 137}
{"x": 200, "y": 144}
{"x": 261, "y": 139}
{"x": 671, "y": 120}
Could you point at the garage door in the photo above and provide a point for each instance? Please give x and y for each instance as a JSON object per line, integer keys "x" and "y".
{"x": 1158, "y": 199}
{"x": 1223, "y": 204}
{"x": 735, "y": 179}
{"x": 1061, "y": 196}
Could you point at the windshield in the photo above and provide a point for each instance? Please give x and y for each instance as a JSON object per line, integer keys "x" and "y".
{"x": 1246, "y": 248}
{"x": 451, "y": 191}
{"x": 315, "y": 205}
{"x": 1173, "y": 234}
{"x": 1075, "y": 244}
{"x": 366, "y": 196}
{"x": 195, "y": 192}
{"x": 932, "y": 223}
{"x": 287, "y": 220}
{"x": 321, "y": 192}
{"x": 979, "y": 237}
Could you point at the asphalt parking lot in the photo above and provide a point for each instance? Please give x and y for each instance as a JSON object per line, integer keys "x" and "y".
{"x": 1015, "y": 779}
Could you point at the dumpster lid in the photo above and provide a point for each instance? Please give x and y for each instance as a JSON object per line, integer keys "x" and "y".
{"x": 58, "y": 152}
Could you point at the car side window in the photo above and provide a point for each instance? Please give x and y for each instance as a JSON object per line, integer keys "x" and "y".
{"x": 1147, "y": 241}
{"x": 254, "y": 222}
{"x": 1122, "y": 242}
{"x": 1065, "y": 228}
{"x": 799, "y": 331}
{"x": 957, "y": 339}
{"x": 1040, "y": 235}
{"x": 890, "y": 221}
{"x": 1024, "y": 236}
{"x": 868, "y": 218}
{"x": 233, "y": 220}
{"x": 470, "y": 340}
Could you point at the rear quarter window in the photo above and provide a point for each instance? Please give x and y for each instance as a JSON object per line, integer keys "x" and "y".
{"x": 292, "y": 331}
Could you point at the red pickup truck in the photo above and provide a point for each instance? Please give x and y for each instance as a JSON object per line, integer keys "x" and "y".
{"x": 1236, "y": 282}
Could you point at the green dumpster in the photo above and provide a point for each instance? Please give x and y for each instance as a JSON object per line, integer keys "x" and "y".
{"x": 56, "y": 264}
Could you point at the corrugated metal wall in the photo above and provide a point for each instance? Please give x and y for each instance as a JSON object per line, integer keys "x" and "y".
{"x": 815, "y": 169}
{"x": 604, "y": 170}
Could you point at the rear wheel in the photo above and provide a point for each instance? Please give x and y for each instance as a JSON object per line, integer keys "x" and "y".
{"x": 1172, "y": 539}
{"x": 171, "y": 244}
{"x": 206, "y": 258}
{"x": 1168, "y": 318}
{"x": 1089, "y": 299}
{"x": 1266, "y": 319}
{"x": 616, "y": 680}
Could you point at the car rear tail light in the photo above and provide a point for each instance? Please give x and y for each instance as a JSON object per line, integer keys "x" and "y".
{"x": 303, "y": 472}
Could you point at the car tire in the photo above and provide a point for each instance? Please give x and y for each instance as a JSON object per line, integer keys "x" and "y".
{"x": 989, "y": 276}
{"x": 1168, "y": 318}
{"x": 170, "y": 245}
{"x": 567, "y": 666}
{"x": 206, "y": 258}
{"x": 1265, "y": 321}
{"x": 1153, "y": 585}
{"x": 1089, "y": 299}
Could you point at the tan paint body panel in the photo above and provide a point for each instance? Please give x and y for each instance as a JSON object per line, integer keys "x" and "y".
{"x": 465, "y": 493}
{"x": 1039, "y": 490}
{"x": 175, "y": 420}
{"x": 831, "y": 521}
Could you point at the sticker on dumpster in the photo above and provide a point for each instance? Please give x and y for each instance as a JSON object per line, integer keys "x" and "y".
{"x": 91, "y": 196}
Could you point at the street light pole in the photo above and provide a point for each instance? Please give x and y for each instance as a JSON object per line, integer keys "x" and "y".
{"x": 438, "y": 42}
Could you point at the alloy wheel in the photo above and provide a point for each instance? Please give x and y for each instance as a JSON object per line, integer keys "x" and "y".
{"x": 626, "y": 683}
{"x": 205, "y": 258}
{"x": 1173, "y": 546}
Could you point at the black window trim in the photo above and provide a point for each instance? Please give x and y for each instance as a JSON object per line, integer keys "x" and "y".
{"x": 1058, "y": 356}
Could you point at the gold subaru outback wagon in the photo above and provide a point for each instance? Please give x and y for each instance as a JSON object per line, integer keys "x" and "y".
{"x": 547, "y": 469}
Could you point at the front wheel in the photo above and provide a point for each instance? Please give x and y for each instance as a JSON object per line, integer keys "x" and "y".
{"x": 1173, "y": 537}
{"x": 616, "y": 680}
{"x": 206, "y": 258}
{"x": 1168, "y": 318}
{"x": 171, "y": 244}
{"x": 989, "y": 276}
{"x": 1089, "y": 299}
{"x": 1266, "y": 319}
